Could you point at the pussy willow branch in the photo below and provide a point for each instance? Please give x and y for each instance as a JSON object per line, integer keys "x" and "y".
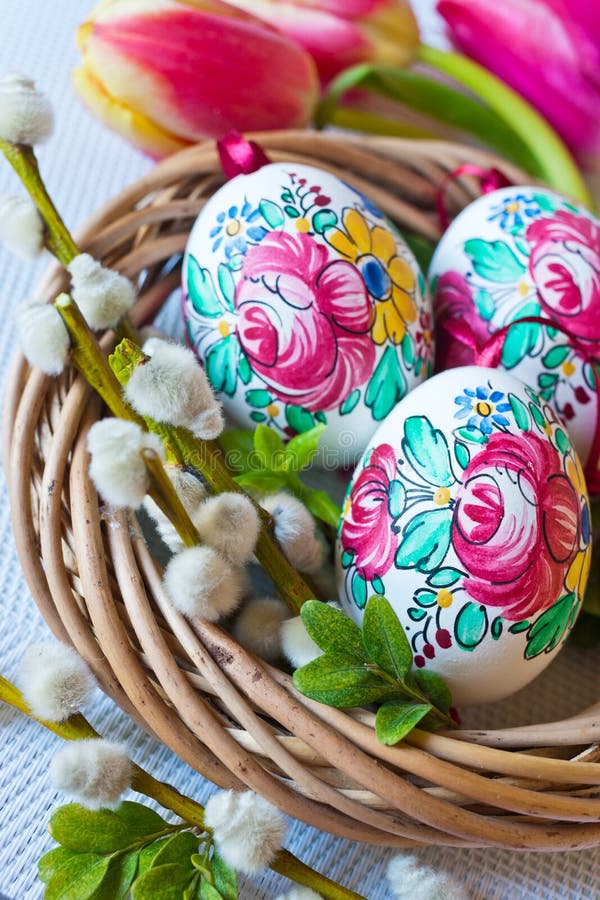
{"x": 58, "y": 239}
{"x": 205, "y": 456}
{"x": 77, "y": 727}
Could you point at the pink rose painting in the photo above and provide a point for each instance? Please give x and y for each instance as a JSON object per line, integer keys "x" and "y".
{"x": 565, "y": 267}
{"x": 516, "y": 525}
{"x": 304, "y": 321}
{"x": 368, "y": 528}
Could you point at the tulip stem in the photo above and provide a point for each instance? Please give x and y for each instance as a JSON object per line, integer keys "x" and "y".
{"x": 557, "y": 166}
{"x": 58, "y": 238}
{"x": 78, "y": 728}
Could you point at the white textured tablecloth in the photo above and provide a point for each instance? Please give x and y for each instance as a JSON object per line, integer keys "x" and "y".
{"x": 83, "y": 166}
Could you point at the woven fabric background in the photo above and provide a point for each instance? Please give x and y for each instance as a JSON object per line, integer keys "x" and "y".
{"x": 84, "y": 165}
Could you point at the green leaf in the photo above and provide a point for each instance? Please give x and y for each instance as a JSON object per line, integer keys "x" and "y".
{"x": 518, "y": 627}
{"x": 261, "y": 480}
{"x": 520, "y": 412}
{"x": 547, "y": 631}
{"x": 387, "y": 385}
{"x": 258, "y": 398}
{"x": 226, "y": 880}
{"x": 472, "y": 435}
{"x": 177, "y": 849}
{"x": 428, "y": 95}
{"x": 485, "y": 304}
{"x": 140, "y": 819}
{"x": 298, "y": 418}
{"x": 202, "y": 290}
{"x": 350, "y": 402}
{"x": 149, "y": 852}
{"x": 521, "y": 340}
{"x": 302, "y": 448}
{"x": 563, "y": 443}
{"x": 332, "y": 631}
{"x": 556, "y": 356}
{"x": 258, "y": 416}
{"x": 462, "y": 454}
{"x": 385, "y": 639}
{"x": 358, "y": 586}
{"x": 227, "y": 285}
{"x": 166, "y": 882}
{"x": 221, "y": 365}
{"x": 78, "y": 878}
{"x": 422, "y": 249}
{"x": 426, "y": 449}
{"x": 434, "y": 686}
{"x": 494, "y": 260}
{"x": 320, "y": 504}
{"x": 291, "y": 211}
{"x": 416, "y": 614}
{"x": 237, "y": 445}
{"x": 337, "y": 679}
{"x": 324, "y": 219}
{"x": 119, "y": 877}
{"x": 408, "y": 352}
{"x": 445, "y": 577}
{"x": 496, "y": 629}
{"x": 271, "y": 213}
{"x": 425, "y": 541}
{"x": 52, "y": 861}
{"x": 269, "y": 447}
{"x": 395, "y": 719}
{"x": 209, "y": 892}
{"x": 470, "y": 626}
{"x": 90, "y": 831}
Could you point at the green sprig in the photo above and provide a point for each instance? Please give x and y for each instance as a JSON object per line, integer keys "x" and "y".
{"x": 264, "y": 464}
{"x": 372, "y": 665}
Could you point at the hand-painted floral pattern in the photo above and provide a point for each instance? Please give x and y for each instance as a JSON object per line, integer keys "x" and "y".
{"x": 515, "y": 254}
{"x": 368, "y": 534}
{"x": 516, "y": 525}
{"x": 304, "y": 320}
{"x": 565, "y": 267}
{"x": 284, "y": 322}
{"x": 388, "y": 277}
{"x": 492, "y": 519}
{"x": 482, "y": 407}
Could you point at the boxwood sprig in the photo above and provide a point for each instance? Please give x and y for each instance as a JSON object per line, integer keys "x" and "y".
{"x": 359, "y": 667}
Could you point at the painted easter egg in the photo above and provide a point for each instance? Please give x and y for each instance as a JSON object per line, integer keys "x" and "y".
{"x": 305, "y": 305}
{"x": 518, "y": 252}
{"x": 478, "y": 536}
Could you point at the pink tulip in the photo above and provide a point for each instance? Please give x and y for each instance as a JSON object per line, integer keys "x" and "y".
{"x": 547, "y": 50}
{"x": 341, "y": 33}
{"x": 166, "y": 74}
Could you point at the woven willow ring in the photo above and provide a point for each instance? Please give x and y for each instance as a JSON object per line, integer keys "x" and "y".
{"x": 230, "y": 716}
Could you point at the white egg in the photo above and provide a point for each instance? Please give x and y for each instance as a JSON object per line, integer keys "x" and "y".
{"x": 518, "y": 252}
{"x": 305, "y": 305}
{"x": 469, "y": 512}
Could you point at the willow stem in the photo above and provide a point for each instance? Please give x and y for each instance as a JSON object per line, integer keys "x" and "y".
{"x": 168, "y": 500}
{"x": 207, "y": 458}
{"x": 557, "y": 166}
{"x": 58, "y": 238}
{"x": 78, "y": 728}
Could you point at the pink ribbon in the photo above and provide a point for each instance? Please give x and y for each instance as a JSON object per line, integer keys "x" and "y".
{"x": 239, "y": 156}
{"x": 490, "y": 180}
{"x": 489, "y": 354}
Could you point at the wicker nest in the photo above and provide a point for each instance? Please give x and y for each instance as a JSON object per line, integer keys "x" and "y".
{"x": 230, "y": 716}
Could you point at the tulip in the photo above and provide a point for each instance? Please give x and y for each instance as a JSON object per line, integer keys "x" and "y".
{"x": 548, "y": 51}
{"x": 166, "y": 74}
{"x": 342, "y": 33}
